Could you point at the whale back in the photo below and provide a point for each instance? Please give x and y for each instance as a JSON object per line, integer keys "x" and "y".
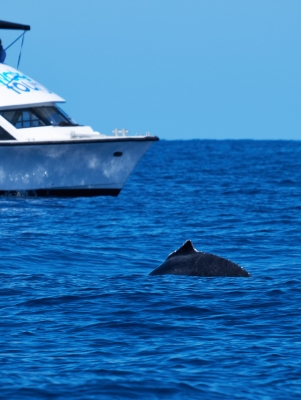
{"x": 188, "y": 261}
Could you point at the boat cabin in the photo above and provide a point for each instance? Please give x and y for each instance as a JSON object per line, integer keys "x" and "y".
{"x": 30, "y": 112}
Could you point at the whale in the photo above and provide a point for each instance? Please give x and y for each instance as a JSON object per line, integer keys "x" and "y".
{"x": 188, "y": 261}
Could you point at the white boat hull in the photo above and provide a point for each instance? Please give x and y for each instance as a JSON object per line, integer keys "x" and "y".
{"x": 70, "y": 168}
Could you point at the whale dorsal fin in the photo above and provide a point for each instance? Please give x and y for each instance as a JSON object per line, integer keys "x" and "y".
{"x": 184, "y": 250}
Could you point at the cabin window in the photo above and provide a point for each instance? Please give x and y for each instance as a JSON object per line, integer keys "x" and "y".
{"x": 4, "y": 135}
{"x": 22, "y": 118}
{"x": 55, "y": 116}
{"x": 37, "y": 116}
{"x": 28, "y": 119}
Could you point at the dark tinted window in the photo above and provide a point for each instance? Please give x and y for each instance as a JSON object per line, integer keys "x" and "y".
{"x": 54, "y": 116}
{"x": 22, "y": 118}
{"x": 4, "y": 135}
{"x": 37, "y": 116}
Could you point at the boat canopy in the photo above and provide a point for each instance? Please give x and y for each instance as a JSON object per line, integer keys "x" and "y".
{"x": 18, "y": 90}
{"x": 12, "y": 25}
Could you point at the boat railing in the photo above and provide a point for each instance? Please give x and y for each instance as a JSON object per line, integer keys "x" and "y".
{"x": 124, "y": 132}
{"x": 120, "y": 132}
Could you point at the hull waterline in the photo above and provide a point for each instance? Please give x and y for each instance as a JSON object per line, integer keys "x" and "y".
{"x": 71, "y": 168}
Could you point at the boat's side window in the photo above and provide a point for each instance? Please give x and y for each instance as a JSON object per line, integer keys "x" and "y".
{"x": 37, "y": 116}
{"x": 11, "y": 116}
{"x": 55, "y": 116}
{"x": 28, "y": 119}
{"x": 4, "y": 135}
{"x": 23, "y": 118}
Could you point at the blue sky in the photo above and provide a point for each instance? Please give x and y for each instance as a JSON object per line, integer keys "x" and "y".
{"x": 181, "y": 69}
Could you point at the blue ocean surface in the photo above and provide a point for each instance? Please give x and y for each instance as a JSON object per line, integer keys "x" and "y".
{"x": 82, "y": 319}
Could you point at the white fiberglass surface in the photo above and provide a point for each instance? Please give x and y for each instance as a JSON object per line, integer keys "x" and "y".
{"x": 30, "y": 167}
{"x": 17, "y": 89}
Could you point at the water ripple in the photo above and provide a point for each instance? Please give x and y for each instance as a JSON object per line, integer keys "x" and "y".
{"x": 81, "y": 318}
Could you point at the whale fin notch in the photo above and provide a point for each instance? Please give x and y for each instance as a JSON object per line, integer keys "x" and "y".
{"x": 185, "y": 250}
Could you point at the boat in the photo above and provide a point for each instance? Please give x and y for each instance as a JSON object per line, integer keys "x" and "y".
{"x": 44, "y": 152}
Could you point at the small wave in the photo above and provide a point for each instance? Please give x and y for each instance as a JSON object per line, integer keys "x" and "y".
{"x": 187, "y": 310}
{"x": 50, "y": 301}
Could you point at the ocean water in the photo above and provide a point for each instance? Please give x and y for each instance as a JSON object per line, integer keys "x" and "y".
{"x": 81, "y": 318}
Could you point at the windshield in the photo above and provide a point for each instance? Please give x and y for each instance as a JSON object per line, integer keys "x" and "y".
{"x": 37, "y": 116}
